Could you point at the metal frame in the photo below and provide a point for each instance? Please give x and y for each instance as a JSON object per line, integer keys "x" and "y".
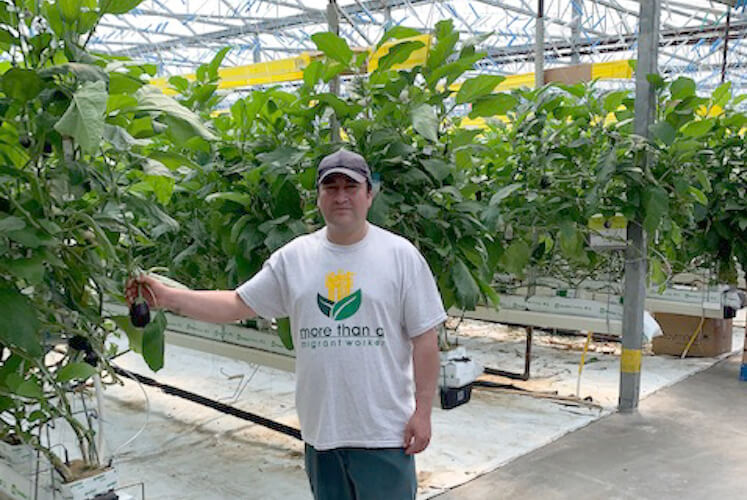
{"x": 177, "y": 34}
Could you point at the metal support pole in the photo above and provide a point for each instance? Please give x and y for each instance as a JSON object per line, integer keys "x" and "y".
{"x": 726, "y": 44}
{"x": 334, "y": 86}
{"x": 539, "y": 46}
{"x": 256, "y": 53}
{"x": 635, "y": 254}
{"x": 576, "y": 7}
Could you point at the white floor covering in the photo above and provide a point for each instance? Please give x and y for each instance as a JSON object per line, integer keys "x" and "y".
{"x": 187, "y": 451}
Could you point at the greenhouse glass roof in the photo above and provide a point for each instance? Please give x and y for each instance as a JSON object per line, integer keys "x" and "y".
{"x": 178, "y": 35}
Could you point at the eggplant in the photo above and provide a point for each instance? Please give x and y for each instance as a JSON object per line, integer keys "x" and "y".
{"x": 140, "y": 313}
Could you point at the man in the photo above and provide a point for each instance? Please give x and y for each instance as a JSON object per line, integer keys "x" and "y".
{"x": 364, "y": 309}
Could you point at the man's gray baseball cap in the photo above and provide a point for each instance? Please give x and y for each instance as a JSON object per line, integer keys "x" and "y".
{"x": 344, "y": 162}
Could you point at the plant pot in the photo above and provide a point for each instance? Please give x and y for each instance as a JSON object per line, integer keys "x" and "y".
{"x": 86, "y": 488}
{"x": 18, "y": 456}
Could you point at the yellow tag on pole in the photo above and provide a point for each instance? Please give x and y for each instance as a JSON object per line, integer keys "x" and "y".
{"x": 630, "y": 361}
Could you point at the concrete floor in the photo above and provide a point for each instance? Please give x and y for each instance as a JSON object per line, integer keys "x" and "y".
{"x": 688, "y": 441}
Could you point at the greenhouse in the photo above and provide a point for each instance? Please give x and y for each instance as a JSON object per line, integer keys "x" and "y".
{"x": 373, "y": 249}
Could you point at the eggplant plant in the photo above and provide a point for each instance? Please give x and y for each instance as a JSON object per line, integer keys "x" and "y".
{"x": 79, "y": 183}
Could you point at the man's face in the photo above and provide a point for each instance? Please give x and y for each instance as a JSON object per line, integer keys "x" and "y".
{"x": 344, "y": 203}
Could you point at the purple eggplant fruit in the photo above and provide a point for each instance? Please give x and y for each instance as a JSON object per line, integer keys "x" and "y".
{"x": 140, "y": 313}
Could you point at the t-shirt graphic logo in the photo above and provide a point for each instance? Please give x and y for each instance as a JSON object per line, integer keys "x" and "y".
{"x": 340, "y": 303}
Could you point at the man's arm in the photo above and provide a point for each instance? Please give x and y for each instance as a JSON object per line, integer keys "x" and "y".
{"x": 426, "y": 365}
{"x": 213, "y": 306}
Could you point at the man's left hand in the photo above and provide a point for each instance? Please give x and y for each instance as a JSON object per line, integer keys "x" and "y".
{"x": 417, "y": 433}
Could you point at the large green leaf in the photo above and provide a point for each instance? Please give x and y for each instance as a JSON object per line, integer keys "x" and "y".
{"x": 21, "y": 84}
{"x": 397, "y": 32}
{"x": 151, "y": 99}
{"x": 516, "y": 257}
{"x": 134, "y": 335}
{"x": 333, "y": 47}
{"x": 682, "y": 87}
{"x": 656, "y": 206}
{"x": 84, "y": 118}
{"x": 447, "y": 38}
{"x": 398, "y": 54}
{"x": 20, "y": 323}
{"x": 153, "y": 341}
{"x": 478, "y": 87}
{"x": 697, "y": 128}
{"x": 11, "y": 223}
{"x": 722, "y": 94}
{"x": 344, "y": 308}
{"x": 73, "y": 371}
{"x": 240, "y": 198}
{"x": 467, "y": 290}
{"x": 83, "y": 72}
{"x": 313, "y": 72}
{"x": 30, "y": 269}
{"x": 493, "y": 105}
{"x": 284, "y": 331}
{"x": 425, "y": 121}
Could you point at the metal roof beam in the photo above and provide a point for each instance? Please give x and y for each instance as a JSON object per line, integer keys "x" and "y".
{"x": 272, "y": 25}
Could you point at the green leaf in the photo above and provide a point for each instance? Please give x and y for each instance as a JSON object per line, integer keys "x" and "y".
{"x": 722, "y": 94}
{"x": 344, "y": 308}
{"x": 121, "y": 83}
{"x": 656, "y": 206}
{"x": 467, "y": 291}
{"x": 153, "y": 341}
{"x": 20, "y": 323}
{"x": 117, "y": 6}
{"x": 503, "y": 193}
{"x": 151, "y": 99}
{"x": 214, "y": 64}
{"x": 284, "y": 331}
{"x": 697, "y": 128}
{"x": 446, "y": 40}
{"x": 398, "y": 54}
{"x": 682, "y": 88}
{"x": 84, "y": 118}
{"x": 664, "y": 131}
{"x": 699, "y": 195}
{"x": 31, "y": 269}
{"x": 398, "y": 33}
{"x": 478, "y": 87}
{"x": 613, "y": 100}
{"x": 240, "y": 198}
{"x": 163, "y": 187}
{"x": 313, "y": 72}
{"x": 121, "y": 139}
{"x": 11, "y": 223}
{"x": 333, "y": 47}
{"x": 704, "y": 181}
{"x": 425, "y": 121}
{"x": 493, "y": 105}
{"x": 21, "y": 84}
{"x": 29, "y": 389}
{"x": 83, "y": 72}
{"x": 325, "y": 305}
{"x": 72, "y": 371}
{"x": 134, "y": 335}
{"x": 439, "y": 169}
{"x": 571, "y": 241}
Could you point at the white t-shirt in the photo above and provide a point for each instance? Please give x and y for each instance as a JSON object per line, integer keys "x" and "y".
{"x": 353, "y": 309}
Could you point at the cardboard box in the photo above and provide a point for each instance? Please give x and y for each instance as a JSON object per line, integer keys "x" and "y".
{"x": 713, "y": 339}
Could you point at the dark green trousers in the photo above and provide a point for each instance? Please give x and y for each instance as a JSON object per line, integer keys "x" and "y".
{"x": 361, "y": 474}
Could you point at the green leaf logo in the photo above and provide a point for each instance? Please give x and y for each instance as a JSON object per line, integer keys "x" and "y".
{"x": 341, "y": 309}
{"x": 346, "y": 307}
{"x": 325, "y": 305}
